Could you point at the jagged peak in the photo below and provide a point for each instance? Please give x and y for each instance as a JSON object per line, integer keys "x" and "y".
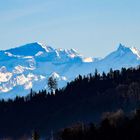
{"x": 33, "y": 49}
{"x": 122, "y": 50}
{"x": 67, "y": 50}
{"x": 134, "y": 50}
{"x": 122, "y": 47}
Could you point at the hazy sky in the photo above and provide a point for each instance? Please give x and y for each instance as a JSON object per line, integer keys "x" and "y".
{"x": 93, "y": 27}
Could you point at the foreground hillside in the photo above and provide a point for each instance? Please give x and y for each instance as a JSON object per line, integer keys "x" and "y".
{"x": 83, "y": 100}
{"x": 115, "y": 126}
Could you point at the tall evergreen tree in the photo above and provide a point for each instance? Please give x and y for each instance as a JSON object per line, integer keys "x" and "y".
{"x": 35, "y": 135}
{"x": 52, "y": 84}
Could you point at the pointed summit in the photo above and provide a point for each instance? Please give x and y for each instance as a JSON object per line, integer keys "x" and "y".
{"x": 122, "y": 47}
{"x": 123, "y": 50}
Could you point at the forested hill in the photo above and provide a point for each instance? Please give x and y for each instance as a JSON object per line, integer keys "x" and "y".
{"x": 114, "y": 126}
{"x": 83, "y": 100}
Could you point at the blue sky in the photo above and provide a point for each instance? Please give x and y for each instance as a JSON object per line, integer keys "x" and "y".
{"x": 93, "y": 27}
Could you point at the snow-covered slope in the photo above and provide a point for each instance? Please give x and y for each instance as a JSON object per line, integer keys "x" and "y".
{"x": 122, "y": 57}
{"x": 29, "y": 66}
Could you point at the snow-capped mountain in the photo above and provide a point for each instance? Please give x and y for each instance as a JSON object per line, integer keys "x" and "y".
{"x": 30, "y": 66}
{"x": 122, "y": 57}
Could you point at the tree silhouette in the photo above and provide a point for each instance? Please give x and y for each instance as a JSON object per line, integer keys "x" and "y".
{"x": 35, "y": 135}
{"x": 52, "y": 84}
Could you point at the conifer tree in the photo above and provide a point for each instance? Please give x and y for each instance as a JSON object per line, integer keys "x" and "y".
{"x": 35, "y": 135}
{"x": 52, "y": 84}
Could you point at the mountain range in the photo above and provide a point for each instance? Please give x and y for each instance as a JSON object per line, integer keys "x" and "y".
{"x": 29, "y": 66}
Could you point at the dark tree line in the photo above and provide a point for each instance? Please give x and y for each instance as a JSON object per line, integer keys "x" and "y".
{"x": 82, "y": 100}
{"x": 115, "y": 126}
